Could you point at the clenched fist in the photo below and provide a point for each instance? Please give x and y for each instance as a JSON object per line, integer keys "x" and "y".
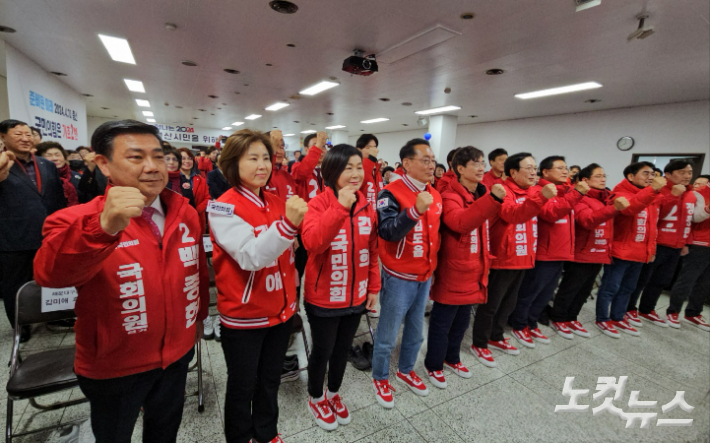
{"x": 7, "y": 159}
{"x": 621, "y": 203}
{"x": 321, "y": 138}
{"x": 582, "y": 187}
{"x": 122, "y": 204}
{"x": 346, "y": 197}
{"x": 296, "y": 209}
{"x": 90, "y": 161}
{"x": 424, "y": 200}
{"x": 677, "y": 190}
{"x": 658, "y": 183}
{"x": 549, "y": 191}
{"x": 498, "y": 190}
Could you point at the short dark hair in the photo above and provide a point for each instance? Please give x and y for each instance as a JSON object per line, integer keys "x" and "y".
{"x": 587, "y": 171}
{"x": 675, "y": 165}
{"x": 43, "y": 147}
{"x": 657, "y": 170}
{"x": 364, "y": 139}
{"x": 512, "y": 163}
{"x": 234, "y": 149}
{"x": 210, "y": 150}
{"x": 575, "y": 166}
{"x": 335, "y": 162}
{"x": 450, "y": 156}
{"x": 308, "y": 138}
{"x": 6, "y": 125}
{"x": 463, "y": 156}
{"x": 83, "y": 148}
{"x": 705, "y": 176}
{"x": 408, "y": 150}
{"x": 549, "y": 162}
{"x": 38, "y": 131}
{"x": 634, "y": 168}
{"x": 104, "y": 135}
{"x": 386, "y": 169}
{"x": 494, "y": 154}
{"x": 439, "y": 165}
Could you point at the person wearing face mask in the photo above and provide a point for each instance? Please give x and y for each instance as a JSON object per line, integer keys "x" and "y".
{"x": 252, "y": 235}
{"x": 136, "y": 259}
{"x": 342, "y": 277}
{"x": 513, "y": 244}
{"x": 76, "y": 163}
{"x": 373, "y": 182}
{"x": 55, "y": 153}
{"x": 594, "y": 233}
{"x": 634, "y": 245}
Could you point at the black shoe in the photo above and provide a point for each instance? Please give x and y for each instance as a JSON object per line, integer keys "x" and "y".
{"x": 367, "y": 349}
{"x": 358, "y": 359}
{"x": 297, "y": 325}
{"x": 66, "y": 323}
{"x": 25, "y": 334}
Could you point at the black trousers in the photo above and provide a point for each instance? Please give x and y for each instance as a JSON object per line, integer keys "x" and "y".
{"x": 16, "y": 269}
{"x": 254, "y": 360}
{"x": 300, "y": 258}
{"x": 116, "y": 403}
{"x": 447, "y": 326}
{"x": 503, "y": 286}
{"x": 332, "y": 338}
{"x": 576, "y": 285}
{"x": 655, "y": 276}
{"x": 536, "y": 291}
{"x": 693, "y": 281}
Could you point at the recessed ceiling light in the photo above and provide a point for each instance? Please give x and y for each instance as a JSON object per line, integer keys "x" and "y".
{"x": 308, "y": 131}
{"x": 329, "y": 113}
{"x": 224, "y": 104}
{"x": 211, "y": 114}
{"x": 560, "y": 90}
{"x": 404, "y": 124}
{"x": 143, "y": 103}
{"x": 212, "y": 96}
{"x": 118, "y": 49}
{"x": 148, "y": 113}
{"x": 473, "y": 116}
{"x": 375, "y": 120}
{"x": 150, "y": 120}
{"x": 335, "y": 127}
{"x": 246, "y": 84}
{"x": 289, "y": 135}
{"x": 406, "y": 104}
{"x": 319, "y": 87}
{"x": 87, "y": 95}
{"x": 237, "y": 123}
{"x": 227, "y": 128}
{"x": 291, "y": 45}
{"x": 189, "y": 63}
{"x": 495, "y": 71}
{"x": 231, "y": 71}
{"x": 276, "y": 106}
{"x": 296, "y": 121}
{"x": 592, "y": 100}
{"x": 269, "y": 64}
{"x": 134, "y": 85}
{"x": 467, "y": 16}
{"x": 58, "y": 74}
{"x": 438, "y": 110}
{"x": 384, "y": 99}
{"x": 202, "y": 110}
{"x": 195, "y": 118}
{"x": 7, "y": 29}
{"x": 104, "y": 108}
{"x": 252, "y": 117}
{"x": 178, "y": 107}
{"x": 283, "y": 6}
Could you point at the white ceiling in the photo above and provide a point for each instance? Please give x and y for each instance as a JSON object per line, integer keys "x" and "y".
{"x": 539, "y": 44}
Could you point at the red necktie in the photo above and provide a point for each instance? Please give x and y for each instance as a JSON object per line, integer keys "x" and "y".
{"x": 148, "y": 216}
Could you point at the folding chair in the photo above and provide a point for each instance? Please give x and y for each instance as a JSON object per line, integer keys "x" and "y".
{"x": 41, "y": 373}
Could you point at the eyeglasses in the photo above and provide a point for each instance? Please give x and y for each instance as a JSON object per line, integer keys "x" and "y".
{"x": 647, "y": 173}
{"x": 531, "y": 169}
{"x": 562, "y": 168}
{"x": 426, "y": 161}
{"x": 599, "y": 176}
{"x": 479, "y": 164}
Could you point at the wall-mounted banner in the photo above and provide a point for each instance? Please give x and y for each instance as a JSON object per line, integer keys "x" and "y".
{"x": 189, "y": 134}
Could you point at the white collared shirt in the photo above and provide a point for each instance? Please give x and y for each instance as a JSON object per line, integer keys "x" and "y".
{"x": 158, "y": 215}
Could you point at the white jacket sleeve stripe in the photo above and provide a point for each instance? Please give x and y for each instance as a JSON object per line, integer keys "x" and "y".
{"x": 699, "y": 213}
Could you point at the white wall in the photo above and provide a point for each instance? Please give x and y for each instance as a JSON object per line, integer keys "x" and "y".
{"x": 4, "y": 101}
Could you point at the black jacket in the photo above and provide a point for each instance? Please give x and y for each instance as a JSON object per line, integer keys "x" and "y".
{"x": 217, "y": 184}
{"x": 23, "y": 209}
{"x": 393, "y": 224}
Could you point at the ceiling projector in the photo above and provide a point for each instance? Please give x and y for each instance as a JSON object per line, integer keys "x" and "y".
{"x": 359, "y": 64}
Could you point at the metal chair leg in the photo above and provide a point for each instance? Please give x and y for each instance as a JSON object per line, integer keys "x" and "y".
{"x": 57, "y": 405}
{"x": 8, "y": 425}
{"x": 369, "y": 326}
{"x": 200, "y": 391}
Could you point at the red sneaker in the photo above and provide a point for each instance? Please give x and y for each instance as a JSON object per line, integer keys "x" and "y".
{"x": 276, "y": 439}
{"x": 523, "y": 336}
{"x": 625, "y": 327}
{"x": 342, "y": 415}
{"x": 672, "y": 320}
{"x": 383, "y": 393}
{"x": 323, "y": 414}
{"x": 698, "y": 321}
{"x": 537, "y": 335}
{"x": 459, "y": 369}
{"x": 484, "y": 356}
{"x": 607, "y": 328}
{"x": 632, "y": 318}
{"x": 504, "y": 345}
{"x": 654, "y": 318}
{"x": 562, "y": 330}
{"x": 577, "y": 328}
{"x": 414, "y": 383}
{"x": 437, "y": 379}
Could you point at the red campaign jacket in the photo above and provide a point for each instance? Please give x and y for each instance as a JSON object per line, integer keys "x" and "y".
{"x": 202, "y": 197}
{"x": 138, "y": 300}
{"x": 490, "y": 179}
{"x": 514, "y": 229}
{"x": 635, "y": 227}
{"x": 465, "y": 246}
{"x": 281, "y": 183}
{"x": 700, "y": 232}
{"x": 308, "y": 184}
{"x": 259, "y": 295}
{"x": 594, "y": 227}
{"x": 442, "y": 184}
{"x": 343, "y": 264}
{"x": 415, "y": 256}
{"x": 373, "y": 184}
{"x": 556, "y": 224}
{"x": 204, "y": 164}
{"x": 675, "y": 217}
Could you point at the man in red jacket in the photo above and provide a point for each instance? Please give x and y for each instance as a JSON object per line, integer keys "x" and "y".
{"x": 634, "y": 246}
{"x": 676, "y": 206}
{"x": 496, "y": 158}
{"x": 135, "y": 257}
{"x": 372, "y": 185}
{"x": 307, "y": 173}
{"x": 513, "y": 244}
{"x": 555, "y": 247}
{"x": 443, "y": 183}
{"x": 280, "y": 182}
{"x": 206, "y": 161}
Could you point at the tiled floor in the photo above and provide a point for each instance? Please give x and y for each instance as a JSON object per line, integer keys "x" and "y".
{"x": 512, "y": 403}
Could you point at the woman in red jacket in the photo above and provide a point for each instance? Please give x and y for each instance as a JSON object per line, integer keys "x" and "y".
{"x": 193, "y": 185}
{"x": 252, "y": 236}
{"x": 342, "y": 277}
{"x": 464, "y": 251}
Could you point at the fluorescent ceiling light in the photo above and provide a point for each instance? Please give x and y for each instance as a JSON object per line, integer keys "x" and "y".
{"x": 150, "y": 120}
{"x": 148, "y": 113}
{"x": 438, "y": 110}
{"x": 335, "y": 127}
{"x": 143, "y": 103}
{"x": 289, "y": 135}
{"x": 375, "y": 120}
{"x": 589, "y": 4}
{"x": 227, "y": 128}
{"x": 560, "y": 90}
{"x": 237, "y": 123}
{"x": 320, "y": 87}
{"x": 134, "y": 85}
{"x": 118, "y": 49}
{"x": 252, "y": 117}
{"x": 276, "y": 106}
{"x": 308, "y": 131}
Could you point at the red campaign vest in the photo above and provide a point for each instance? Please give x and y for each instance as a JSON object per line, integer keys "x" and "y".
{"x": 676, "y": 218}
{"x": 281, "y": 183}
{"x": 254, "y": 299}
{"x": 372, "y": 184}
{"x": 415, "y": 256}
{"x": 700, "y": 232}
{"x": 635, "y": 235}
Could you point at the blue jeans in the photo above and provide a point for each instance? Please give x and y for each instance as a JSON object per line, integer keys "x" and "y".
{"x": 400, "y": 301}
{"x": 618, "y": 282}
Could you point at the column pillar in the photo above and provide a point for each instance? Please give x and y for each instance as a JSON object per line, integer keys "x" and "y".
{"x": 443, "y": 135}
{"x": 338, "y": 137}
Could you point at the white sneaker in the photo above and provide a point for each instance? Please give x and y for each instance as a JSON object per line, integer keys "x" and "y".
{"x": 217, "y": 329}
{"x": 373, "y": 313}
{"x": 208, "y": 333}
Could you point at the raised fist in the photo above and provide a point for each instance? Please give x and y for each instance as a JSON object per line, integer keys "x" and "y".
{"x": 296, "y": 209}
{"x": 321, "y": 138}
{"x": 621, "y": 203}
{"x": 582, "y": 187}
{"x": 549, "y": 190}
{"x": 498, "y": 190}
{"x": 90, "y": 161}
{"x": 346, "y": 197}
{"x": 7, "y": 159}
{"x": 658, "y": 183}
{"x": 424, "y": 200}
{"x": 677, "y": 190}
{"x": 122, "y": 204}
